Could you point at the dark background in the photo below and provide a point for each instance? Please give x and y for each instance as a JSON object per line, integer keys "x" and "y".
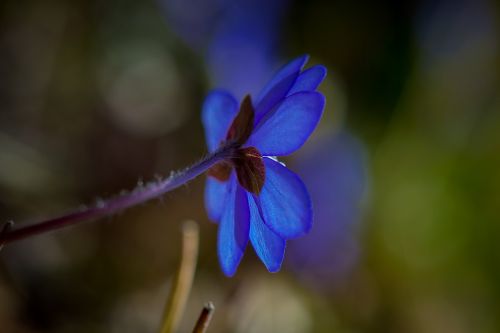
{"x": 403, "y": 169}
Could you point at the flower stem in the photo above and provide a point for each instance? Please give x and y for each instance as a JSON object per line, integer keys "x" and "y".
{"x": 118, "y": 203}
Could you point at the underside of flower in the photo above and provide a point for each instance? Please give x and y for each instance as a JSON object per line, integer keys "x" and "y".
{"x": 246, "y": 161}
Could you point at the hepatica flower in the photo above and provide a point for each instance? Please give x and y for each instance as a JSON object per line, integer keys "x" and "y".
{"x": 251, "y": 194}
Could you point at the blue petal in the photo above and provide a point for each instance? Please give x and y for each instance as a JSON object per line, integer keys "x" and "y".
{"x": 268, "y": 245}
{"x": 219, "y": 109}
{"x": 216, "y": 193}
{"x": 277, "y": 89}
{"x": 289, "y": 126}
{"x": 233, "y": 229}
{"x": 284, "y": 201}
{"x": 309, "y": 79}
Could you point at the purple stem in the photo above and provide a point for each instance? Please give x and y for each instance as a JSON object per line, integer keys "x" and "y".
{"x": 118, "y": 203}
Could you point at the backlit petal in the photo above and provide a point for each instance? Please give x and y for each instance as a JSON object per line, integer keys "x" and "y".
{"x": 233, "y": 229}
{"x": 279, "y": 86}
{"x": 289, "y": 126}
{"x": 308, "y": 80}
{"x": 270, "y": 247}
{"x": 284, "y": 201}
{"x": 216, "y": 193}
{"x": 218, "y": 112}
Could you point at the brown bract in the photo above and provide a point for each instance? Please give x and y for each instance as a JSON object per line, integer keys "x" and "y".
{"x": 221, "y": 171}
{"x": 250, "y": 169}
{"x": 242, "y": 125}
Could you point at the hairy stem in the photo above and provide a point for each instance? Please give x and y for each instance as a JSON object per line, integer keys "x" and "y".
{"x": 118, "y": 203}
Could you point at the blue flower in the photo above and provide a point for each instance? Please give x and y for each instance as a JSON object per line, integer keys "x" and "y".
{"x": 252, "y": 195}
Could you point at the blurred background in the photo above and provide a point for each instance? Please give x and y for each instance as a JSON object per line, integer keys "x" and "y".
{"x": 404, "y": 168}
